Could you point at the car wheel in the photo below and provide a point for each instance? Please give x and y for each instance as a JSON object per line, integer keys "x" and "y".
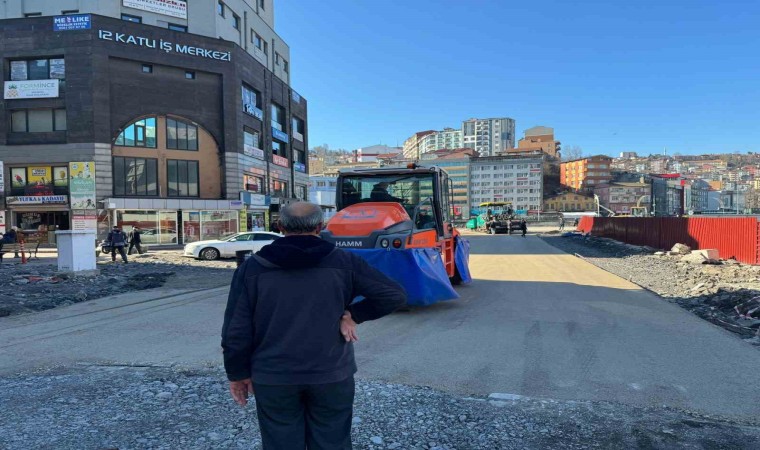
{"x": 209, "y": 254}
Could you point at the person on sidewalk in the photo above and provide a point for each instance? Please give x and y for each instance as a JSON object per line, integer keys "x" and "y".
{"x": 11, "y": 237}
{"x": 561, "y": 223}
{"x": 135, "y": 241}
{"x": 524, "y": 227}
{"x": 289, "y": 329}
{"x": 118, "y": 240}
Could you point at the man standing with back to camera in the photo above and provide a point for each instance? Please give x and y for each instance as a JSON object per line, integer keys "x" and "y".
{"x": 289, "y": 328}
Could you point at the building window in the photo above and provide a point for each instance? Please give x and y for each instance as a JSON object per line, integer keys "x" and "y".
{"x": 147, "y": 68}
{"x": 34, "y": 14}
{"x": 253, "y": 183}
{"x": 235, "y": 21}
{"x": 278, "y": 116}
{"x": 70, "y": 11}
{"x": 181, "y": 135}
{"x": 131, "y": 18}
{"x": 300, "y": 192}
{"x": 299, "y": 156}
{"x": 251, "y": 97}
{"x": 189, "y": 74}
{"x": 297, "y": 129}
{"x": 257, "y": 40}
{"x": 140, "y": 133}
{"x": 220, "y": 8}
{"x": 176, "y": 27}
{"x": 135, "y": 176}
{"x": 266, "y": 48}
{"x": 38, "y": 69}
{"x": 285, "y": 66}
{"x": 261, "y": 4}
{"x": 38, "y": 120}
{"x": 278, "y": 188}
{"x": 278, "y": 149}
{"x": 250, "y": 140}
{"x": 182, "y": 178}
{"x": 277, "y": 58}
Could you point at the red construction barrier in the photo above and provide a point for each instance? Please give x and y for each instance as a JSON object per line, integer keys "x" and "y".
{"x": 733, "y": 237}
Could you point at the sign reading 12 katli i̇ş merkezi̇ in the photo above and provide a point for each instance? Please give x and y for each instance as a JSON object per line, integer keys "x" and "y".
{"x": 166, "y": 46}
{"x": 82, "y": 184}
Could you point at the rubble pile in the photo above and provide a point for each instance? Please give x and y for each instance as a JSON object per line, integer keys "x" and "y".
{"x": 33, "y": 287}
{"x": 723, "y": 292}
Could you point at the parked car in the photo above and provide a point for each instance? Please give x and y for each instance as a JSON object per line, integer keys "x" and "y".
{"x": 226, "y": 247}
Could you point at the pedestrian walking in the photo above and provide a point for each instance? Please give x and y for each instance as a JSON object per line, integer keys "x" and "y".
{"x": 11, "y": 237}
{"x": 135, "y": 241}
{"x": 118, "y": 240}
{"x": 289, "y": 329}
{"x": 524, "y": 227}
{"x": 561, "y": 223}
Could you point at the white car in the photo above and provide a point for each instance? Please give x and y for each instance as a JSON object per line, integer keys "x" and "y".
{"x": 226, "y": 247}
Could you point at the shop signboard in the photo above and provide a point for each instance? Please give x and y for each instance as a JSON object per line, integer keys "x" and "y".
{"x": 243, "y": 219}
{"x": 30, "y": 89}
{"x": 58, "y": 68}
{"x": 250, "y": 150}
{"x": 279, "y": 135}
{"x": 2, "y": 179}
{"x": 2, "y": 221}
{"x": 280, "y": 161}
{"x": 251, "y": 199}
{"x": 83, "y": 220}
{"x": 299, "y": 166}
{"x": 163, "y": 45}
{"x": 71, "y": 22}
{"x": 82, "y": 184}
{"x": 252, "y": 110}
{"x": 37, "y": 199}
{"x": 173, "y": 8}
{"x": 39, "y": 181}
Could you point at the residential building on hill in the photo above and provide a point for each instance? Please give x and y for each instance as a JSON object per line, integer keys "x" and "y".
{"x": 623, "y": 197}
{"x": 447, "y": 138}
{"x": 538, "y": 138}
{"x": 411, "y": 149}
{"x": 513, "y": 179}
{"x": 585, "y": 173}
{"x": 489, "y": 137}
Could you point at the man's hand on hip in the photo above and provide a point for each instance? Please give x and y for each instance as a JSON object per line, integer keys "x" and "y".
{"x": 348, "y": 328}
{"x": 240, "y": 391}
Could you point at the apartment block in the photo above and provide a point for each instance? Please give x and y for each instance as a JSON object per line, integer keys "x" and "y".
{"x": 586, "y": 173}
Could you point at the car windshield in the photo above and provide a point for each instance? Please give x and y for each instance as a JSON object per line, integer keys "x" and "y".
{"x": 408, "y": 190}
{"x": 231, "y": 237}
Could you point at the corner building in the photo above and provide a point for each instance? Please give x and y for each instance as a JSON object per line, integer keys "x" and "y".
{"x": 193, "y": 137}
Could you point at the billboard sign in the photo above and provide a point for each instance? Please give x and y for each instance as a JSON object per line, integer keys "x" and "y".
{"x": 173, "y": 8}
{"x": 280, "y": 161}
{"x": 30, "y": 89}
{"x": 37, "y": 199}
{"x": 71, "y": 22}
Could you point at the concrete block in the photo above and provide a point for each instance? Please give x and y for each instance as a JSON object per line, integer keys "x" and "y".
{"x": 708, "y": 253}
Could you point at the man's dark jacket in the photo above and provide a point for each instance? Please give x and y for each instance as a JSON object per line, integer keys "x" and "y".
{"x": 282, "y": 323}
{"x": 117, "y": 238}
{"x": 135, "y": 237}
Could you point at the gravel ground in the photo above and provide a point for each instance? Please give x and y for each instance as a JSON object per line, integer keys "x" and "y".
{"x": 116, "y": 407}
{"x": 727, "y": 294}
{"x": 37, "y": 286}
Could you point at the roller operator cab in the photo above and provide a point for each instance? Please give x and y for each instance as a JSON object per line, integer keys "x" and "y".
{"x": 398, "y": 209}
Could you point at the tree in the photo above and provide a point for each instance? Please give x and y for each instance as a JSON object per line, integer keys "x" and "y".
{"x": 572, "y": 152}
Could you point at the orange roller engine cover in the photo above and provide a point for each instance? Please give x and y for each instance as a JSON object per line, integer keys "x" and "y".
{"x": 363, "y": 218}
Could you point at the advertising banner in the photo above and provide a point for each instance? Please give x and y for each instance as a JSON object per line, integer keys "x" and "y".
{"x": 300, "y": 167}
{"x": 82, "y": 184}
{"x": 243, "y": 220}
{"x": 2, "y": 221}
{"x": 30, "y": 89}
{"x": 279, "y": 135}
{"x": 58, "y": 68}
{"x": 39, "y": 181}
{"x": 250, "y": 150}
{"x": 60, "y": 176}
{"x": 71, "y": 22}
{"x": 2, "y": 179}
{"x": 173, "y": 8}
{"x": 19, "y": 70}
{"x": 280, "y": 161}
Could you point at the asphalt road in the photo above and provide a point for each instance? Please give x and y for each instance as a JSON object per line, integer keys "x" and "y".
{"x": 535, "y": 322}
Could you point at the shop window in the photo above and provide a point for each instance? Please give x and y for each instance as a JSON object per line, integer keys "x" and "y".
{"x": 278, "y": 148}
{"x": 300, "y": 192}
{"x": 278, "y": 188}
{"x": 140, "y": 133}
{"x": 253, "y": 183}
{"x": 38, "y": 69}
{"x": 215, "y": 224}
{"x": 181, "y": 135}
{"x": 38, "y": 120}
{"x": 299, "y": 156}
{"x": 39, "y": 180}
{"x": 182, "y": 178}
{"x": 251, "y": 100}
{"x": 250, "y": 141}
{"x": 278, "y": 117}
{"x": 135, "y": 176}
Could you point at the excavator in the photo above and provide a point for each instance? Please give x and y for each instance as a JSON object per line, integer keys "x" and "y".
{"x": 400, "y": 221}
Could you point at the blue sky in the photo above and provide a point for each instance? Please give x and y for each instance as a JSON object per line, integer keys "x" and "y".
{"x": 609, "y": 76}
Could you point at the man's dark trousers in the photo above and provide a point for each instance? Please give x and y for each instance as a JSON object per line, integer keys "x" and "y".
{"x": 313, "y": 416}
{"x": 120, "y": 249}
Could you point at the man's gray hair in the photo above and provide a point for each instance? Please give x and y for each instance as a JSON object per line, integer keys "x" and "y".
{"x": 301, "y": 217}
